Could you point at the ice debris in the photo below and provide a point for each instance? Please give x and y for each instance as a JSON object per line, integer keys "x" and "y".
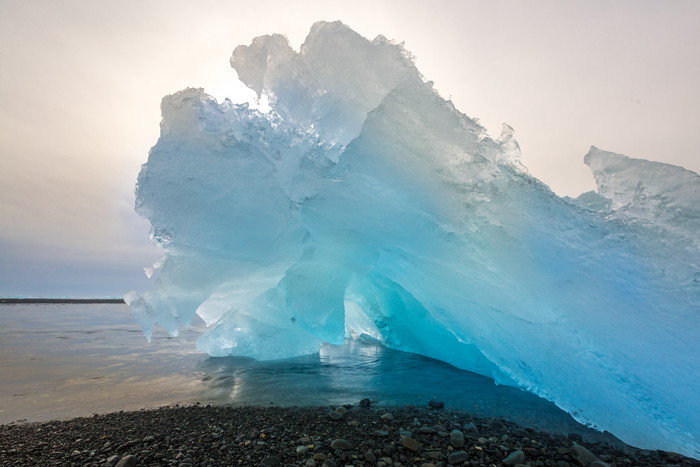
{"x": 365, "y": 205}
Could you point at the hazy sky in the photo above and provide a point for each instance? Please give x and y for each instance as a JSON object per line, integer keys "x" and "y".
{"x": 81, "y": 83}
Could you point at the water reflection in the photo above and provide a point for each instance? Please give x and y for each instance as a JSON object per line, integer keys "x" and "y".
{"x": 62, "y": 361}
{"x": 351, "y": 372}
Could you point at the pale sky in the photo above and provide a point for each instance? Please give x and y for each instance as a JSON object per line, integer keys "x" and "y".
{"x": 81, "y": 84}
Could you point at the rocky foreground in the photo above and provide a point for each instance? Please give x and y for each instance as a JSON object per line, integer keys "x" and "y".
{"x": 311, "y": 436}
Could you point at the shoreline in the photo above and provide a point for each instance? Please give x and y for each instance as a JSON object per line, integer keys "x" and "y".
{"x": 197, "y": 435}
{"x": 18, "y": 301}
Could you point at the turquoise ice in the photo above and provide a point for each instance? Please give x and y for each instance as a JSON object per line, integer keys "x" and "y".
{"x": 364, "y": 205}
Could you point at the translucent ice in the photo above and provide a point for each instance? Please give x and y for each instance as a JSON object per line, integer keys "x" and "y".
{"x": 365, "y": 205}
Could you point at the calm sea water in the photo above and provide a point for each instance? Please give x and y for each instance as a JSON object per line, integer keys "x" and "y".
{"x": 61, "y": 361}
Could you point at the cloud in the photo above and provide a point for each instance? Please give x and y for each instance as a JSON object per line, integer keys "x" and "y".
{"x": 82, "y": 83}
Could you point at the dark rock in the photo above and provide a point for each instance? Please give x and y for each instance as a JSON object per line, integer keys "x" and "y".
{"x": 433, "y": 404}
{"x": 410, "y": 444}
{"x": 335, "y": 416}
{"x": 470, "y": 428}
{"x": 270, "y": 461}
{"x": 457, "y": 438}
{"x": 457, "y": 458}
{"x": 328, "y": 463}
{"x": 598, "y": 464}
{"x": 575, "y": 437}
{"x": 341, "y": 444}
{"x": 127, "y": 461}
{"x": 520, "y": 433}
{"x": 517, "y": 457}
{"x": 531, "y": 451}
{"x": 582, "y": 455}
{"x": 364, "y": 403}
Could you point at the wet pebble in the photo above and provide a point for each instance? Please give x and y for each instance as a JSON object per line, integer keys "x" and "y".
{"x": 335, "y": 416}
{"x": 270, "y": 461}
{"x": 457, "y": 438}
{"x": 341, "y": 444}
{"x": 435, "y": 404}
{"x": 457, "y": 458}
{"x": 516, "y": 457}
{"x": 410, "y": 444}
{"x": 127, "y": 461}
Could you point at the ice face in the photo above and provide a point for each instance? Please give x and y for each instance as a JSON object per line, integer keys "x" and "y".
{"x": 365, "y": 205}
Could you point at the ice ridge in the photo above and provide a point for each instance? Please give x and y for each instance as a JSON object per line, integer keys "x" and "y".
{"x": 364, "y": 204}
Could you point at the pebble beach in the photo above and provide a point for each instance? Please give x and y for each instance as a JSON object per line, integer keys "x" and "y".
{"x": 350, "y": 435}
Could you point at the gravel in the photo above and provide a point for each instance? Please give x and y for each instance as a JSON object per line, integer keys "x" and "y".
{"x": 199, "y": 436}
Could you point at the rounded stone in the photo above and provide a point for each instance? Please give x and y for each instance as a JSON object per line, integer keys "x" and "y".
{"x": 457, "y": 458}
{"x": 516, "y": 457}
{"x": 410, "y": 444}
{"x": 582, "y": 455}
{"x": 457, "y": 438}
{"x": 270, "y": 461}
{"x": 341, "y": 444}
{"x": 127, "y": 461}
{"x": 335, "y": 416}
{"x": 471, "y": 428}
{"x": 433, "y": 404}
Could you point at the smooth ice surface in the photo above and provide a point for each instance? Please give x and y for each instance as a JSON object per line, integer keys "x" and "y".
{"x": 365, "y": 205}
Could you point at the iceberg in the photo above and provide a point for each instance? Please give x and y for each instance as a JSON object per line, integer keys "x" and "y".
{"x": 364, "y": 205}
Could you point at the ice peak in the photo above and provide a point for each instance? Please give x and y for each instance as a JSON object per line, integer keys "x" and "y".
{"x": 656, "y": 193}
{"x": 335, "y": 79}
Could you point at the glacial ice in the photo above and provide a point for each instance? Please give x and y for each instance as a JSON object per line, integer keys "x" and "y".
{"x": 365, "y": 205}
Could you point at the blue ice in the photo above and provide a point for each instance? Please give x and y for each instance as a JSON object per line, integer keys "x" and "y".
{"x": 365, "y": 204}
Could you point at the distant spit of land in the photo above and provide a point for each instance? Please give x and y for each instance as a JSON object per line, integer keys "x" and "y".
{"x": 61, "y": 300}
